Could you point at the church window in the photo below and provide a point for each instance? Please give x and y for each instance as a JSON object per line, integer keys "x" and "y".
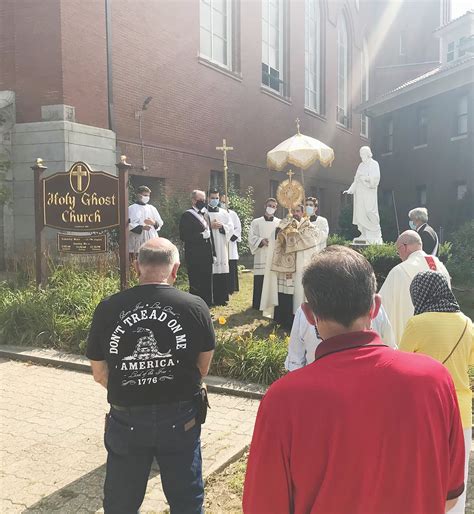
{"x": 216, "y": 31}
{"x": 312, "y": 55}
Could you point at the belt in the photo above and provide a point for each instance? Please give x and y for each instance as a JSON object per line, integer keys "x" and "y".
{"x": 133, "y": 408}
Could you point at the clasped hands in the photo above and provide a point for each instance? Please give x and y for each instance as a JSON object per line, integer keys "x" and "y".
{"x": 148, "y": 224}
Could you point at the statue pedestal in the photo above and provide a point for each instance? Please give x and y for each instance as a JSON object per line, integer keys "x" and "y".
{"x": 359, "y": 244}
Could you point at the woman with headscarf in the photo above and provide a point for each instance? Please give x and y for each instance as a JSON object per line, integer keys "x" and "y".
{"x": 441, "y": 330}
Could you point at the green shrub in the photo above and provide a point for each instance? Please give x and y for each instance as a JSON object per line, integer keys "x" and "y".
{"x": 461, "y": 262}
{"x": 58, "y": 316}
{"x": 337, "y": 239}
{"x": 243, "y": 204}
{"x": 346, "y": 229}
{"x": 250, "y": 359}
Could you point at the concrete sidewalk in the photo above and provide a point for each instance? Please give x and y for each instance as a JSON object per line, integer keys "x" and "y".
{"x": 51, "y": 440}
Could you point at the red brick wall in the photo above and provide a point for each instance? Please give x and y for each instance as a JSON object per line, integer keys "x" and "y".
{"x": 194, "y": 107}
{"x": 84, "y": 60}
{"x": 60, "y": 57}
{"x": 37, "y": 77}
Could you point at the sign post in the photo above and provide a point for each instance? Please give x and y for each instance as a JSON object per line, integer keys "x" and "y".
{"x": 38, "y": 169}
{"x": 123, "y": 168}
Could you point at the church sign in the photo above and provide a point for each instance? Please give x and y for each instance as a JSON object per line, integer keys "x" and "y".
{"x": 81, "y": 200}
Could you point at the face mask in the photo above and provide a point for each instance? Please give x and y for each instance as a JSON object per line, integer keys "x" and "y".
{"x": 200, "y": 204}
{"x": 223, "y": 205}
{"x": 213, "y": 202}
{"x": 412, "y": 225}
{"x": 144, "y": 199}
{"x": 309, "y": 210}
{"x": 270, "y": 211}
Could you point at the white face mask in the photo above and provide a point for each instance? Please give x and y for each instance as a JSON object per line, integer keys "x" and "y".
{"x": 144, "y": 199}
{"x": 270, "y": 211}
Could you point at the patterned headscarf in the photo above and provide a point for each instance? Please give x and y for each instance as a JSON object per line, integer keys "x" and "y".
{"x": 430, "y": 292}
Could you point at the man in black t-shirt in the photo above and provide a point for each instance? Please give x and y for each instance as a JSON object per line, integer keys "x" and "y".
{"x": 150, "y": 346}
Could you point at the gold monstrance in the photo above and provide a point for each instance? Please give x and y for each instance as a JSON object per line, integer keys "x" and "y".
{"x": 224, "y": 148}
{"x": 290, "y": 193}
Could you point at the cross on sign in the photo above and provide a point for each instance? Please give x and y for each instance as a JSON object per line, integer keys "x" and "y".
{"x": 79, "y": 173}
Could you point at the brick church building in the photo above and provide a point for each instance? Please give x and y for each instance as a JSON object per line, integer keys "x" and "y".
{"x": 165, "y": 81}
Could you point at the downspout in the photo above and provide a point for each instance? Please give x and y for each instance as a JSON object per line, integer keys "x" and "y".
{"x": 108, "y": 43}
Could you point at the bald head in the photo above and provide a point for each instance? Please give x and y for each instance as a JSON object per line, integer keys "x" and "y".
{"x": 158, "y": 260}
{"x": 407, "y": 243}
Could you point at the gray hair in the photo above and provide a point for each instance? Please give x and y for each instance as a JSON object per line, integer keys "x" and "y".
{"x": 196, "y": 192}
{"x": 163, "y": 256}
{"x": 420, "y": 213}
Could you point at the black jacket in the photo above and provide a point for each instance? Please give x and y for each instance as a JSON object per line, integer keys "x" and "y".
{"x": 196, "y": 249}
{"x": 429, "y": 239}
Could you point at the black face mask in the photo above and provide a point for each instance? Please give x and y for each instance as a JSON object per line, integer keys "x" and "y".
{"x": 200, "y": 204}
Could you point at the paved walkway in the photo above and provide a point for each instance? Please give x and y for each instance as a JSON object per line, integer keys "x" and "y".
{"x": 51, "y": 430}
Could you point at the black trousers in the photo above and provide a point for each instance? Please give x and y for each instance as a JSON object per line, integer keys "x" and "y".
{"x": 220, "y": 288}
{"x": 200, "y": 280}
{"x": 233, "y": 276}
{"x": 283, "y": 314}
{"x": 257, "y": 291}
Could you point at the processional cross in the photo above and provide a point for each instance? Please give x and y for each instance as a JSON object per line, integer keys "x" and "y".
{"x": 224, "y": 148}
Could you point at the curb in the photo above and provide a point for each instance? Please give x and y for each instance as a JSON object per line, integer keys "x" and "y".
{"x": 47, "y": 357}
{"x": 234, "y": 458}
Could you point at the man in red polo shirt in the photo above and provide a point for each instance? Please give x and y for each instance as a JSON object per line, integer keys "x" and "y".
{"x": 364, "y": 429}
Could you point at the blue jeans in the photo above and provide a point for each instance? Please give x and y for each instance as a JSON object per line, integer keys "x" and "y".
{"x": 133, "y": 438}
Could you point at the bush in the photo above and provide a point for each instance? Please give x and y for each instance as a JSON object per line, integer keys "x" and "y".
{"x": 346, "y": 229}
{"x": 251, "y": 358}
{"x": 461, "y": 262}
{"x": 171, "y": 209}
{"x": 336, "y": 239}
{"x": 243, "y": 205}
{"x": 58, "y": 316}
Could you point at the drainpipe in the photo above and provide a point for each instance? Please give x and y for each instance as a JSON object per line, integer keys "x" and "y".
{"x": 108, "y": 40}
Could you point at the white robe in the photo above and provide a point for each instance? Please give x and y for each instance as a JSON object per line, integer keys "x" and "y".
{"x": 323, "y": 226}
{"x": 366, "y": 209}
{"x": 287, "y": 283}
{"x": 221, "y": 241}
{"x": 137, "y": 215}
{"x": 395, "y": 291}
{"x": 304, "y": 341}
{"x": 233, "y": 248}
{"x": 261, "y": 229}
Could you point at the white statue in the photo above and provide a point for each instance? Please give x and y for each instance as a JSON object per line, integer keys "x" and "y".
{"x": 364, "y": 189}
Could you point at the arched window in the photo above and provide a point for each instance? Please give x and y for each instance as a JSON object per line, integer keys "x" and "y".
{"x": 364, "y": 88}
{"x": 342, "y": 114}
{"x": 312, "y": 55}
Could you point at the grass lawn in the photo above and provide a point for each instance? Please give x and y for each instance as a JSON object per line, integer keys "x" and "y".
{"x": 240, "y": 318}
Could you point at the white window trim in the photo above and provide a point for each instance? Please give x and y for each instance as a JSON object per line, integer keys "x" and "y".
{"x": 281, "y": 48}
{"x": 229, "y": 37}
{"x": 316, "y": 55}
{"x": 457, "y": 138}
